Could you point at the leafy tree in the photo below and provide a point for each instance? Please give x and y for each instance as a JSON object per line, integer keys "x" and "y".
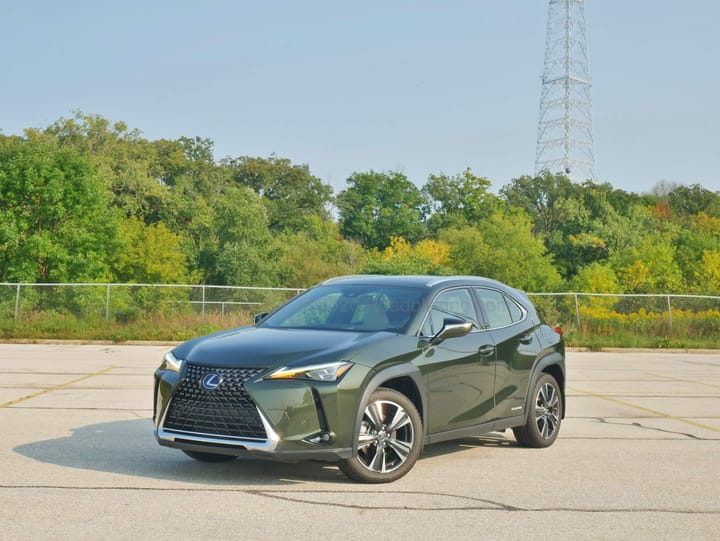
{"x": 694, "y": 199}
{"x": 55, "y": 224}
{"x": 149, "y": 254}
{"x": 318, "y": 253}
{"x": 596, "y": 278}
{"x": 692, "y": 243}
{"x": 458, "y": 201}
{"x": 704, "y": 223}
{"x": 242, "y": 251}
{"x": 503, "y": 247}
{"x": 292, "y": 193}
{"x": 426, "y": 257}
{"x": 378, "y": 206}
{"x": 122, "y": 159}
{"x": 649, "y": 267}
{"x": 612, "y": 232}
{"x": 707, "y": 273}
{"x": 538, "y": 196}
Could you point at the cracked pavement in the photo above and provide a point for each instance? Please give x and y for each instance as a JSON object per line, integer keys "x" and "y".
{"x": 637, "y": 458}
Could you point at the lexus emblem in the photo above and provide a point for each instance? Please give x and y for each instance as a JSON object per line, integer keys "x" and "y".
{"x": 211, "y": 381}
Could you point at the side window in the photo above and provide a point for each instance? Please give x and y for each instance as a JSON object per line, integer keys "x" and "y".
{"x": 516, "y": 312}
{"x": 451, "y": 303}
{"x": 496, "y": 309}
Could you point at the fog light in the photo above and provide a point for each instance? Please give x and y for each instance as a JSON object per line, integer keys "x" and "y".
{"x": 320, "y": 438}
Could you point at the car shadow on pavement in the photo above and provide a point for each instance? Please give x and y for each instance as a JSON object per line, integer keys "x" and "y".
{"x": 494, "y": 439}
{"x": 129, "y": 448}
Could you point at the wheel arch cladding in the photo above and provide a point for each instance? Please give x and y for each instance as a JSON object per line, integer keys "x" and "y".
{"x": 556, "y": 371}
{"x": 406, "y": 386}
{"x": 403, "y": 378}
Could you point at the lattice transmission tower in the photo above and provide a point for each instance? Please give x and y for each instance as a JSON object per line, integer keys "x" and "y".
{"x": 565, "y": 142}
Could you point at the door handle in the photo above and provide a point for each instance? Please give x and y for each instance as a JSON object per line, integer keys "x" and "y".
{"x": 486, "y": 350}
{"x": 526, "y": 339}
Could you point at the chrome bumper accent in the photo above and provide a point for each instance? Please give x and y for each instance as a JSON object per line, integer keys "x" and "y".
{"x": 250, "y": 444}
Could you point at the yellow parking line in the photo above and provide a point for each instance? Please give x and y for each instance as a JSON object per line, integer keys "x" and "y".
{"x": 55, "y": 387}
{"x": 647, "y": 410}
{"x": 682, "y": 380}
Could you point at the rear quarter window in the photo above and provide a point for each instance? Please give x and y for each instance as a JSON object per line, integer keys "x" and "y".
{"x": 499, "y": 309}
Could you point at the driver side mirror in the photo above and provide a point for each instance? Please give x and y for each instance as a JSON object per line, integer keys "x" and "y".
{"x": 259, "y": 317}
{"x": 452, "y": 328}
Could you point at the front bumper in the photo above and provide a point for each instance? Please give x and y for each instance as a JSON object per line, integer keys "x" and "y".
{"x": 248, "y": 416}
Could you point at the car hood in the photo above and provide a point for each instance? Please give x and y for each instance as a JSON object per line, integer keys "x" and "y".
{"x": 269, "y": 348}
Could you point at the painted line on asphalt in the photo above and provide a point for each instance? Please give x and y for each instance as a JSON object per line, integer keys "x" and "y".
{"x": 56, "y": 387}
{"x": 647, "y": 410}
{"x": 682, "y": 380}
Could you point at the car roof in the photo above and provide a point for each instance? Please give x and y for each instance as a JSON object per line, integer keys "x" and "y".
{"x": 431, "y": 283}
{"x": 414, "y": 280}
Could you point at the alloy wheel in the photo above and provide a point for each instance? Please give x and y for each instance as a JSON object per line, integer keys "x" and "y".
{"x": 386, "y": 436}
{"x": 547, "y": 410}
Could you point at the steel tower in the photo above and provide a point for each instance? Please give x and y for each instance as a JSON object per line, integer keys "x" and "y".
{"x": 565, "y": 142}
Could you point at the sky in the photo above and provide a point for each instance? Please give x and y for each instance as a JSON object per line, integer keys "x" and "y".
{"x": 421, "y": 87}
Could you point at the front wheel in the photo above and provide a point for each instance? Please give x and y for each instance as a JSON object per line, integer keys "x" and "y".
{"x": 543, "y": 421}
{"x": 389, "y": 440}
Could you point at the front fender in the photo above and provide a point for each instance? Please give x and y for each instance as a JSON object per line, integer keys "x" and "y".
{"x": 398, "y": 371}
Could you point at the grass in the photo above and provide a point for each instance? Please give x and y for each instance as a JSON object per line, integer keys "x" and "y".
{"x": 628, "y": 338}
{"x": 147, "y": 327}
{"x": 177, "y": 327}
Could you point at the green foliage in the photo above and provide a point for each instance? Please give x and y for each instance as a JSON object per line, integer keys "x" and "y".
{"x": 459, "y": 201}
{"x": 425, "y": 257}
{"x": 122, "y": 159}
{"x": 694, "y": 199}
{"x": 149, "y": 254}
{"x": 243, "y": 251}
{"x": 378, "y": 206}
{"x": 55, "y": 224}
{"x": 318, "y": 253}
{"x": 503, "y": 247}
{"x": 596, "y": 278}
{"x": 292, "y": 194}
{"x": 90, "y": 200}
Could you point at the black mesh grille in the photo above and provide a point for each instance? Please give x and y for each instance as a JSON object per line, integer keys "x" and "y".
{"x": 225, "y": 411}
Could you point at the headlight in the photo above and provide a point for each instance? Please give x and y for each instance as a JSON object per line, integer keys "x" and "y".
{"x": 316, "y": 372}
{"x": 171, "y": 363}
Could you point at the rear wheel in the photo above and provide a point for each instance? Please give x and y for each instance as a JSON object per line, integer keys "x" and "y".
{"x": 389, "y": 440}
{"x": 543, "y": 421}
{"x": 209, "y": 457}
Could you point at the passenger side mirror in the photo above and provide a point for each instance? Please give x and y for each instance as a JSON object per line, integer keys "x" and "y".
{"x": 452, "y": 328}
{"x": 259, "y": 317}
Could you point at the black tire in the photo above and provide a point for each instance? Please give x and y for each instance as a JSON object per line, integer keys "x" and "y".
{"x": 209, "y": 457}
{"x": 389, "y": 439}
{"x": 545, "y": 415}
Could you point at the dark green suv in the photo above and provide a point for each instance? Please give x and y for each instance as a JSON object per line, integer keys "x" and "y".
{"x": 364, "y": 371}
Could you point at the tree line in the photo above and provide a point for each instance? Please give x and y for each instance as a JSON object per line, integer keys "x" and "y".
{"x": 89, "y": 200}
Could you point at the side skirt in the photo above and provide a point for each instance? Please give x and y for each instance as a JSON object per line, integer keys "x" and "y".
{"x": 476, "y": 430}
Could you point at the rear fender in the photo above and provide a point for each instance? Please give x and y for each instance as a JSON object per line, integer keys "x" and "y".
{"x": 557, "y": 362}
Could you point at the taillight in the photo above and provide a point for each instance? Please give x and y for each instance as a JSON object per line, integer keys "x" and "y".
{"x": 558, "y": 330}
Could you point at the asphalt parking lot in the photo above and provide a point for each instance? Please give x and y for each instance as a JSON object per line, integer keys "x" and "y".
{"x": 638, "y": 457}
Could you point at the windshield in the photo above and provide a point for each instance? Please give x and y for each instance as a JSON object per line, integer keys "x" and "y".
{"x": 368, "y": 308}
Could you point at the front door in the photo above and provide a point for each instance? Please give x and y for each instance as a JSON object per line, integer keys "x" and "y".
{"x": 460, "y": 372}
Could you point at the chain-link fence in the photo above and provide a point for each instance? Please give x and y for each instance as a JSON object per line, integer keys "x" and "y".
{"x": 121, "y": 302}
{"x": 582, "y": 314}
{"x": 679, "y": 316}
